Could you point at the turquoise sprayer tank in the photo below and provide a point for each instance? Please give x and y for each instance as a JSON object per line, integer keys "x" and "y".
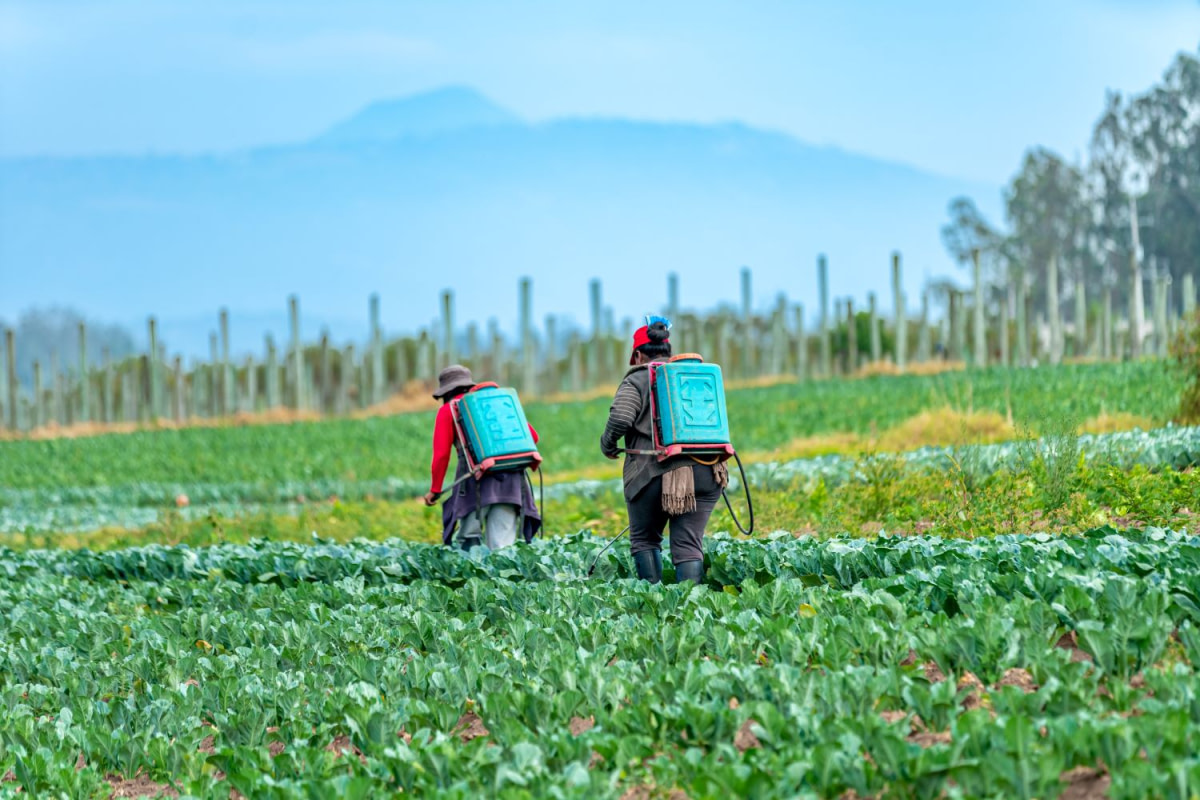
{"x": 689, "y": 397}
{"x": 494, "y": 427}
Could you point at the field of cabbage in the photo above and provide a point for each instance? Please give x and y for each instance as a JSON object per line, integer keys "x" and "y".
{"x": 1019, "y": 619}
{"x": 899, "y": 667}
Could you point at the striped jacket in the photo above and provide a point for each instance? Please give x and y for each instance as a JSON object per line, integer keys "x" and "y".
{"x": 629, "y": 417}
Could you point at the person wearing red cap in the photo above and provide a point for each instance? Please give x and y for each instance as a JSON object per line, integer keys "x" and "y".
{"x": 679, "y": 492}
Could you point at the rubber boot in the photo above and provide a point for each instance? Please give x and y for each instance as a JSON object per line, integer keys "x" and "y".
{"x": 467, "y": 542}
{"x": 648, "y": 564}
{"x": 690, "y": 571}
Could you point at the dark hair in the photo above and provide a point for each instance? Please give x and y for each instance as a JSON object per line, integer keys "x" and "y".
{"x": 458, "y": 391}
{"x": 658, "y": 347}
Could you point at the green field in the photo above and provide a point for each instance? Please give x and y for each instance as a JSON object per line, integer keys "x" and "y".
{"x": 971, "y": 620}
{"x": 1006, "y": 667}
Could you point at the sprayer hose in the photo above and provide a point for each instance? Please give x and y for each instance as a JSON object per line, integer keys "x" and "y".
{"x": 749, "y": 501}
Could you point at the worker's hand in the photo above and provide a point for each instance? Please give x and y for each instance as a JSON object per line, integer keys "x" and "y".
{"x": 430, "y": 498}
{"x": 613, "y": 455}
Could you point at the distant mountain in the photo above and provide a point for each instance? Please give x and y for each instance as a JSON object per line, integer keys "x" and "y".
{"x": 446, "y": 190}
{"x": 454, "y": 108}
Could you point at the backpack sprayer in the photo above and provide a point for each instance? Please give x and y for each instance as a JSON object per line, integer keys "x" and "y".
{"x": 688, "y": 418}
{"x": 492, "y": 435}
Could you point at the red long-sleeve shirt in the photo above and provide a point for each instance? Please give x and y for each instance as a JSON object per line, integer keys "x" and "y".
{"x": 443, "y": 445}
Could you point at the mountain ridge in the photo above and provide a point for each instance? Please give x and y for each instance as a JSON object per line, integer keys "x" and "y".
{"x": 472, "y": 206}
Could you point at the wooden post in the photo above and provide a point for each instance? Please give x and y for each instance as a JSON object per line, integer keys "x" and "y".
{"x": 779, "y": 337}
{"x": 901, "y": 332}
{"x": 873, "y": 319}
{"x": 1053, "y": 311}
{"x": 672, "y": 295}
{"x": 746, "y": 341}
{"x": 376, "y": 351}
{"x": 85, "y": 383}
{"x": 345, "y": 380}
{"x": 851, "y": 338}
{"x": 248, "y": 402}
{"x": 10, "y": 367}
{"x": 449, "y": 356}
{"x": 39, "y": 402}
{"x": 180, "y": 385}
{"x": 528, "y": 354}
{"x": 272, "y": 375}
{"x": 129, "y": 392}
{"x": 226, "y": 368}
{"x": 823, "y": 291}
{"x": 326, "y": 396}
{"x": 550, "y": 349}
{"x": 924, "y": 345}
{"x": 214, "y": 377}
{"x": 724, "y": 335}
{"x": 801, "y": 342}
{"x": 297, "y": 354}
{"x": 576, "y": 356}
{"x": 310, "y": 387}
{"x": 595, "y": 361}
{"x": 1189, "y": 296}
{"x": 108, "y": 410}
{"x": 747, "y": 297}
{"x": 400, "y": 359}
{"x": 611, "y": 345}
{"x": 424, "y": 364}
{"x": 496, "y": 348}
{"x": 57, "y": 404}
{"x": 152, "y": 371}
{"x": 198, "y": 383}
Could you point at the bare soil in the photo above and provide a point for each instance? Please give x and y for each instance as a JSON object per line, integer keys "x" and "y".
{"x": 1069, "y": 641}
{"x": 933, "y": 673}
{"x": 138, "y": 786}
{"x": 1084, "y": 783}
{"x": 469, "y": 726}
{"x": 1016, "y": 676}
{"x": 579, "y": 725}
{"x": 342, "y": 745}
{"x": 745, "y": 739}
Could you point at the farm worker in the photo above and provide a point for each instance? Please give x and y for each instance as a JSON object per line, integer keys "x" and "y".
{"x": 495, "y": 506}
{"x": 680, "y": 491}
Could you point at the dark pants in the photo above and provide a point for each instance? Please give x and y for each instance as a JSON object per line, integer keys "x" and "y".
{"x": 647, "y": 518}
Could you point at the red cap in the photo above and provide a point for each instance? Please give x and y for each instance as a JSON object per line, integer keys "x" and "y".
{"x": 640, "y": 337}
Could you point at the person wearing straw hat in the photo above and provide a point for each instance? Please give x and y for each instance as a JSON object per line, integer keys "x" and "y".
{"x": 679, "y": 492}
{"x": 492, "y": 508}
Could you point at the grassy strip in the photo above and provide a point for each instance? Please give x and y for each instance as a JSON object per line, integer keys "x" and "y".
{"x": 885, "y": 496}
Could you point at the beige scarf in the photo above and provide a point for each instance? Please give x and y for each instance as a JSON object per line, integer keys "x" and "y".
{"x": 679, "y": 488}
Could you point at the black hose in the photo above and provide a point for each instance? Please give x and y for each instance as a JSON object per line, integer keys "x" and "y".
{"x": 541, "y": 502}
{"x": 749, "y": 502}
{"x": 604, "y": 550}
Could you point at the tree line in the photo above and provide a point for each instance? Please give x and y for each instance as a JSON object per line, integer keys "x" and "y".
{"x": 1137, "y": 196}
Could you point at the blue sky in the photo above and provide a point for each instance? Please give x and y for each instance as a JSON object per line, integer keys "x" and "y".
{"x": 957, "y": 88}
